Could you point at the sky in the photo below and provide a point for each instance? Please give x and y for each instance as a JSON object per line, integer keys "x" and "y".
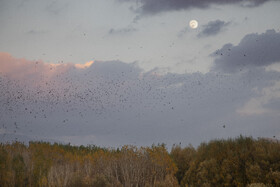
{"x": 121, "y": 72}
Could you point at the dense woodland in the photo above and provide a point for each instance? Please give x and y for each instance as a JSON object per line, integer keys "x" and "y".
{"x": 234, "y": 162}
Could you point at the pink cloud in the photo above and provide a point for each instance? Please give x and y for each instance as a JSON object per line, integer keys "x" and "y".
{"x": 20, "y": 68}
{"x": 83, "y": 66}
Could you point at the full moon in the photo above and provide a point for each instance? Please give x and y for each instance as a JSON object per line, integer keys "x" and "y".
{"x": 193, "y": 24}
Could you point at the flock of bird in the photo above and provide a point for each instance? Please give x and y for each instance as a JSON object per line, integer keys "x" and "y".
{"x": 94, "y": 92}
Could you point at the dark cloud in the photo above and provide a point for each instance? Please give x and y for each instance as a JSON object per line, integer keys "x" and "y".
{"x": 157, "y": 6}
{"x": 114, "y": 103}
{"x": 213, "y": 28}
{"x": 254, "y": 50}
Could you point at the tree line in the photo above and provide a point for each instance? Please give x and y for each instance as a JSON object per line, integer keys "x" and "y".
{"x": 242, "y": 161}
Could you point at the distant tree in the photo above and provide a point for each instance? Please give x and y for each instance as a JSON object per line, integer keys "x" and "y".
{"x": 19, "y": 169}
{"x": 235, "y": 162}
{"x": 242, "y": 161}
{"x": 182, "y": 158}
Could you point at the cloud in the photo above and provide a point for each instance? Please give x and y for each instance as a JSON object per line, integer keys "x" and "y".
{"x": 148, "y": 7}
{"x": 273, "y": 103}
{"x": 267, "y": 101}
{"x": 23, "y": 69}
{"x": 213, "y": 28}
{"x": 254, "y": 50}
{"x": 83, "y": 66}
{"x": 122, "y": 31}
{"x": 56, "y": 7}
{"x": 36, "y": 32}
{"x": 182, "y": 32}
{"x": 114, "y": 103}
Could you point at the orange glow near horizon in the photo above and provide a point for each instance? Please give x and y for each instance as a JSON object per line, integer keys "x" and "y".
{"x": 83, "y": 66}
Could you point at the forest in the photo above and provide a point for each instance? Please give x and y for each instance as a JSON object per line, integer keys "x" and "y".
{"x": 242, "y": 161}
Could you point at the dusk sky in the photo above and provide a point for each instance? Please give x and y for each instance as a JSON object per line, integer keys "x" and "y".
{"x": 120, "y": 72}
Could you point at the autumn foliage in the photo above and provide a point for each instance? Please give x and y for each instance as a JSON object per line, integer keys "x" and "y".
{"x": 43, "y": 164}
{"x": 235, "y": 162}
